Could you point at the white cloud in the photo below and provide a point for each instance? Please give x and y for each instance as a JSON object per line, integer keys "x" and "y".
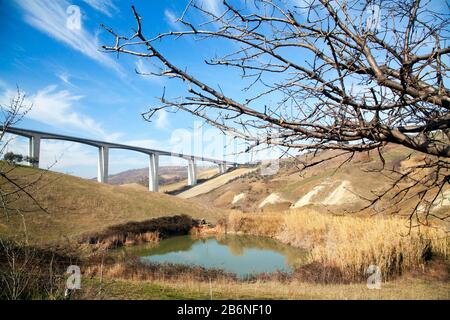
{"x": 106, "y": 7}
{"x": 64, "y": 77}
{"x": 60, "y": 155}
{"x": 162, "y": 122}
{"x": 170, "y": 16}
{"x": 141, "y": 67}
{"x": 212, "y": 6}
{"x": 56, "y": 108}
{"x": 171, "y": 19}
{"x": 50, "y": 17}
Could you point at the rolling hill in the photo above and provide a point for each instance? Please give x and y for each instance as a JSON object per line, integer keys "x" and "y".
{"x": 76, "y": 206}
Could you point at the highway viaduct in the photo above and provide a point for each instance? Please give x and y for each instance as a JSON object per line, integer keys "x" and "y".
{"x": 35, "y": 138}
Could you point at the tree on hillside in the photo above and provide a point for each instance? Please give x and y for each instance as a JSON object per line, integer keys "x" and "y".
{"x": 15, "y": 158}
{"x": 344, "y": 75}
{"x": 12, "y": 158}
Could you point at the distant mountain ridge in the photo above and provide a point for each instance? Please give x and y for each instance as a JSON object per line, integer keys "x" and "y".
{"x": 167, "y": 175}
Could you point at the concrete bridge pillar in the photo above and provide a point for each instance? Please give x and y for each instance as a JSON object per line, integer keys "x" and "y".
{"x": 103, "y": 155}
{"x": 192, "y": 173}
{"x": 222, "y": 168}
{"x": 34, "y": 150}
{"x": 153, "y": 172}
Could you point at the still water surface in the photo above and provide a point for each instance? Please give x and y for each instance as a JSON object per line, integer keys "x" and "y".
{"x": 242, "y": 255}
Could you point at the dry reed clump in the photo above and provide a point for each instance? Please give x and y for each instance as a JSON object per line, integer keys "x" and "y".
{"x": 352, "y": 243}
{"x": 128, "y": 239}
{"x": 134, "y": 269}
{"x": 254, "y": 224}
{"x": 133, "y": 239}
{"x": 345, "y": 246}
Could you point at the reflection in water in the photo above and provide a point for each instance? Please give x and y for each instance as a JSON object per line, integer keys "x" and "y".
{"x": 237, "y": 244}
{"x": 242, "y": 255}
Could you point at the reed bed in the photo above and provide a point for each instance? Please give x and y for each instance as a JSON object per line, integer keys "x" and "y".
{"x": 268, "y": 225}
{"x": 349, "y": 244}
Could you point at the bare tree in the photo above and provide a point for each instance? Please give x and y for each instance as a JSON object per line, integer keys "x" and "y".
{"x": 15, "y": 188}
{"x": 25, "y": 271}
{"x": 346, "y": 75}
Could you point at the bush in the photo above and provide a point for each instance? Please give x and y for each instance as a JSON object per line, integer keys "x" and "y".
{"x": 118, "y": 235}
{"x": 31, "y": 273}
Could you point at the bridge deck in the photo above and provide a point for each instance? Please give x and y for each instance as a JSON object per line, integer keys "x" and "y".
{"x": 97, "y": 143}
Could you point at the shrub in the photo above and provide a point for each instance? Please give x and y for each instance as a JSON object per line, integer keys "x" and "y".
{"x": 31, "y": 273}
{"x": 141, "y": 231}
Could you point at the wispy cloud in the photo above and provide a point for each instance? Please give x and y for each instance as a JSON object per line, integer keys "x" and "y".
{"x": 50, "y": 17}
{"x": 57, "y": 108}
{"x": 106, "y": 7}
{"x": 171, "y": 19}
{"x": 162, "y": 122}
{"x": 212, "y": 6}
{"x": 64, "y": 77}
{"x": 148, "y": 70}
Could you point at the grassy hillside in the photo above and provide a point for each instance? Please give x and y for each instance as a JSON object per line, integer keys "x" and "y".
{"x": 76, "y": 206}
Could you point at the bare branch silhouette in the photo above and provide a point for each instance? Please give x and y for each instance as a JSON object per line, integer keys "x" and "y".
{"x": 329, "y": 75}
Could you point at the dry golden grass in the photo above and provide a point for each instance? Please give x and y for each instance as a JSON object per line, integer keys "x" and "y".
{"x": 186, "y": 285}
{"x": 131, "y": 239}
{"x": 256, "y": 224}
{"x": 401, "y": 289}
{"x": 349, "y": 243}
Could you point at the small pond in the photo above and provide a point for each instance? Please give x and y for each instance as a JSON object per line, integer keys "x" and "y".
{"x": 242, "y": 255}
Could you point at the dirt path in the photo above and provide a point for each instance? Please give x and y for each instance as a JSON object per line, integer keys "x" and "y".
{"x": 215, "y": 183}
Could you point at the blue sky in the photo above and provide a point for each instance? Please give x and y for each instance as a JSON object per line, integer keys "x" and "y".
{"x": 78, "y": 90}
